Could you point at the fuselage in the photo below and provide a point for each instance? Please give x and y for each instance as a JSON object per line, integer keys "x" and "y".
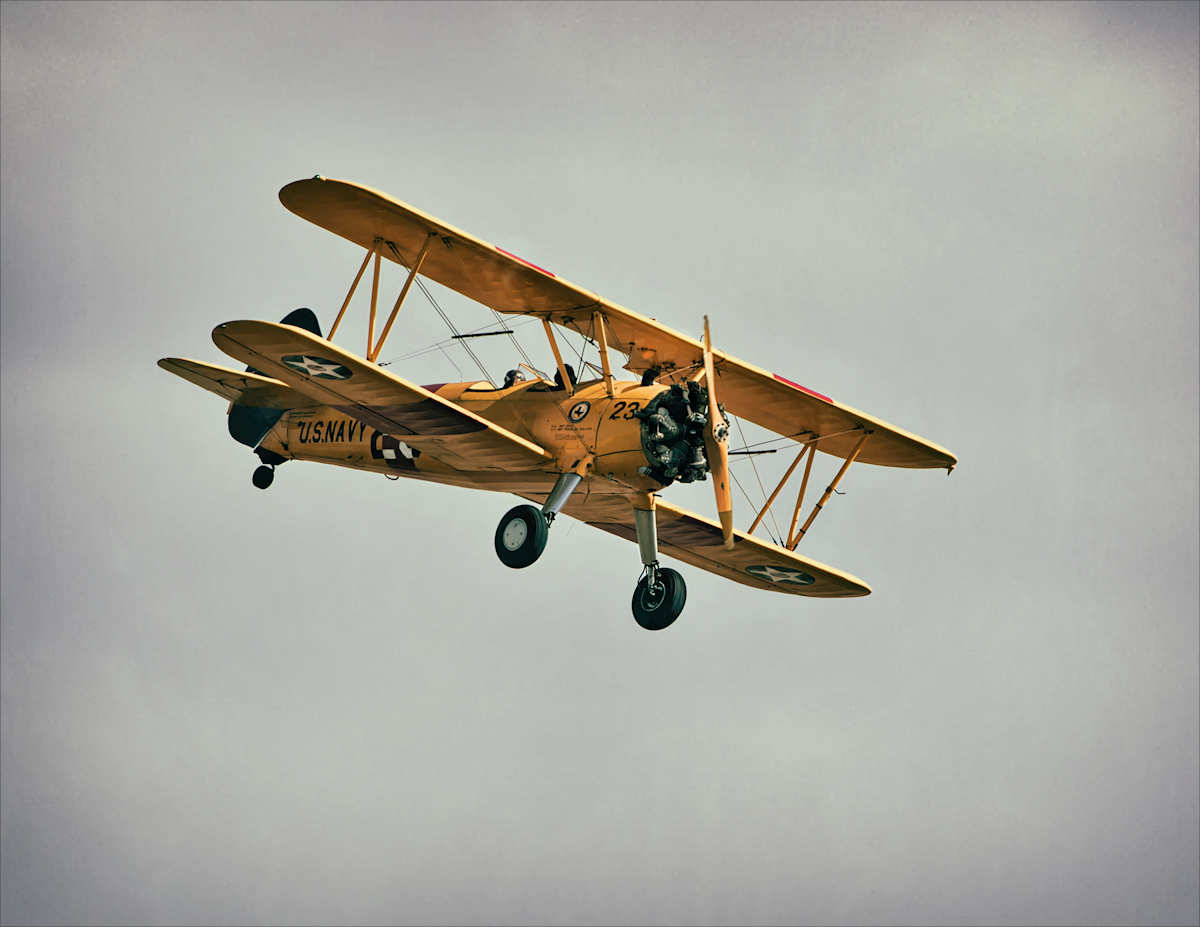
{"x": 600, "y": 436}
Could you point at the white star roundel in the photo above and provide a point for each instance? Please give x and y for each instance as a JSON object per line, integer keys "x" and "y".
{"x": 579, "y": 411}
{"x": 317, "y": 367}
{"x": 780, "y": 575}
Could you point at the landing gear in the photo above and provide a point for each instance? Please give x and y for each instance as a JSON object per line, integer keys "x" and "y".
{"x": 661, "y": 592}
{"x": 521, "y": 536}
{"x": 263, "y": 477}
{"x": 659, "y": 598}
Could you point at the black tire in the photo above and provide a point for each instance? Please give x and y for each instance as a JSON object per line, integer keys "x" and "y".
{"x": 655, "y": 609}
{"x": 521, "y": 536}
{"x": 263, "y": 477}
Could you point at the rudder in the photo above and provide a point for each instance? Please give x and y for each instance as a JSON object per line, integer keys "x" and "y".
{"x": 249, "y": 426}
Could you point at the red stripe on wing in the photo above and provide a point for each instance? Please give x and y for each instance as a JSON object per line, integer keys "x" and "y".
{"x": 525, "y": 262}
{"x": 803, "y": 389}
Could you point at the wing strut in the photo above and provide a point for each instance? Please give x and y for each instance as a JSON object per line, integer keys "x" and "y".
{"x": 810, "y": 447}
{"x": 786, "y": 476}
{"x": 800, "y": 496}
{"x": 374, "y": 298}
{"x": 350, "y": 295}
{"x": 376, "y": 251}
{"x": 598, "y": 325}
{"x": 792, "y": 542}
{"x": 412, "y": 275}
{"x": 562, "y": 368}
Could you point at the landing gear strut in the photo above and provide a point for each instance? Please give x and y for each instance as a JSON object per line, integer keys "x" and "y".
{"x": 661, "y": 592}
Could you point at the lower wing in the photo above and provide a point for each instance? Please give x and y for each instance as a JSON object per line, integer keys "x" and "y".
{"x": 381, "y": 400}
{"x": 697, "y": 540}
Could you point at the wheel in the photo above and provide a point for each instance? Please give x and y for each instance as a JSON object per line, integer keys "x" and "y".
{"x": 655, "y": 607}
{"x": 263, "y": 477}
{"x": 521, "y": 536}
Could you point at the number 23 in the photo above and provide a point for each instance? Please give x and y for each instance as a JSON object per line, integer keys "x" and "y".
{"x": 627, "y": 407}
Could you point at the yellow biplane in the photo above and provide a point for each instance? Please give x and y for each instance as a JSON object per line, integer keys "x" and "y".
{"x": 598, "y": 449}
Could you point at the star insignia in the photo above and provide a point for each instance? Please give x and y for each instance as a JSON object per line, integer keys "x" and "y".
{"x": 317, "y": 367}
{"x": 780, "y": 575}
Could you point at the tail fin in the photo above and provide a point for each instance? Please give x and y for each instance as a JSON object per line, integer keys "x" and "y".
{"x": 249, "y": 426}
{"x": 303, "y": 318}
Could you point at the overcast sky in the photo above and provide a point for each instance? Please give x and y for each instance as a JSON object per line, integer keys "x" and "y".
{"x": 330, "y": 703}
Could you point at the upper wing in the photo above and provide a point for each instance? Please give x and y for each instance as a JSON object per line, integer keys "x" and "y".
{"x": 698, "y": 541}
{"x": 372, "y": 395}
{"x": 506, "y": 283}
{"x": 246, "y": 389}
{"x": 789, "y": 409}
{"x": 462, "y": 262}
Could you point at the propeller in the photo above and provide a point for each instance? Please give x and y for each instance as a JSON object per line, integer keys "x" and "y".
{"x": 716, "y": 444}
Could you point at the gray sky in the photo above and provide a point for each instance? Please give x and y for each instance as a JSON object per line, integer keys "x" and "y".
{"x": 330, "y": 703}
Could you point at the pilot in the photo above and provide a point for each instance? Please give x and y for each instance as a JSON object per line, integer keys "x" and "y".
{"x": 513, "y": 377}
{"x": 558, "y": 381}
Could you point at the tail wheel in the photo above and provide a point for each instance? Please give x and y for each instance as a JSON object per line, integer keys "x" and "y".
{"x": 263, "y": 477}
{"x": 659, "y": 598}
{"x": 521, "y": 536}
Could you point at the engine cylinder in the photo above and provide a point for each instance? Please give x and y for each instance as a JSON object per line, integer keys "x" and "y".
{"x": 673, "y": 425}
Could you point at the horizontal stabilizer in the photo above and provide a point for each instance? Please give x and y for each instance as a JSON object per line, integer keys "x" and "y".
{"x": 246, "y": 389}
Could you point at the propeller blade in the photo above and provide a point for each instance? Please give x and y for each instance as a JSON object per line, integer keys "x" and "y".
{"x": 716, "y": 444}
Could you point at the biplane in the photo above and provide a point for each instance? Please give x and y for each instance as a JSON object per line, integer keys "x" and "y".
{"x": 599, "y": 449}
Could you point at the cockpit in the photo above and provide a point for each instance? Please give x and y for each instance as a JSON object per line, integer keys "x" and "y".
{"x": 517, "y": 378}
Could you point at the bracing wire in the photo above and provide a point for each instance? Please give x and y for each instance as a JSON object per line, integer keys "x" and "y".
{"x": 751, "y": 504}
{"x": 504, "y": 327}
{"x": 499, "y": 318}
{"x": 583, "y": 346}
{"x": 445, "y": 318}
{"x": 446, "y": 354}
{"x": 441, "y": 345}
{"x": 758, "y": 477}
{"x": 798, "y": 436}
{"x": 457, "y": 335}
